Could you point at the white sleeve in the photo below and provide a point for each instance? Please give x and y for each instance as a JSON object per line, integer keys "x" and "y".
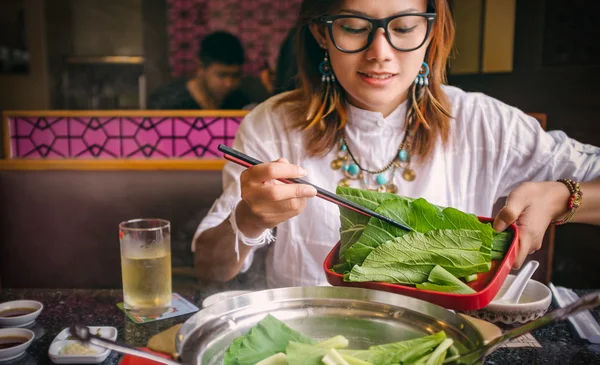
{"x": 247, "y": 141}
{"x": 531, "y": 154}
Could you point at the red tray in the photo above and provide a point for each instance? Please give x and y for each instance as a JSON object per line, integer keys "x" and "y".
{"x": 134, "y": 360}
{"x": 487, "y": 284}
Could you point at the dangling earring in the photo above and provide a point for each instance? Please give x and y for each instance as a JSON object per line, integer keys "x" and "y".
{"x": 329, "y": 102}
{"x": 421, "y": 78}
{"x": 326, "y": 70}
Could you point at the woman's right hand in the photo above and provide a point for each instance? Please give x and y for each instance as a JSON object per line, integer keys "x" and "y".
{"x": 267, "y": 202}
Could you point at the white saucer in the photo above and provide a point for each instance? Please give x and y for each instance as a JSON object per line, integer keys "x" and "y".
{"x": 63, "y": 339}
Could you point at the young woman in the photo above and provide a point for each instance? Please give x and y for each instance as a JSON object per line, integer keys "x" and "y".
{"x": 372, "y": 89}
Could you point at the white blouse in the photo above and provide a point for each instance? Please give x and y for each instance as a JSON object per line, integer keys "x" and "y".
{"x": 494, "y": 147}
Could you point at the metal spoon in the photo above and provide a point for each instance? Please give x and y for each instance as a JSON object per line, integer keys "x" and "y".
{"x": 589, "y": 301}
{"x": 513, "y": 293}
{"x": 83, "y": 334}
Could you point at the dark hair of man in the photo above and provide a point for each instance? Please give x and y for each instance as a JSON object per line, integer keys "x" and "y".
{"x": 221, "y": 47}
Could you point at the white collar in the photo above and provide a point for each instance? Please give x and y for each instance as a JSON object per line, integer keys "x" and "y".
{"x": 369, "y": 120}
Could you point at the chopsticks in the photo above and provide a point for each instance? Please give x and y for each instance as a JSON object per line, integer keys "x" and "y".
{"x": 247, "y": 161}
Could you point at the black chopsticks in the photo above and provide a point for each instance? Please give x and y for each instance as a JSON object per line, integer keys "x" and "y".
{"x": 247, "y": 161}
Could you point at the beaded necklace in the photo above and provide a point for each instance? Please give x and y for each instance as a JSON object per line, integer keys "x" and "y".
{"x": 378, "y": 180}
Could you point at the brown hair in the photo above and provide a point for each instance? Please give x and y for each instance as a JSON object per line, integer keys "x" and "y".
{"x": 319, "y": 111}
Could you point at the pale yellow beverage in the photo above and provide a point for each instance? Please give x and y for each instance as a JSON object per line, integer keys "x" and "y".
{"x": 146, "y": 266}
{"x": 147, "y": 282}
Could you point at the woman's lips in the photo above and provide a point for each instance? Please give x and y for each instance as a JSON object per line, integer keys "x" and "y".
{"x": 377, "y": 79}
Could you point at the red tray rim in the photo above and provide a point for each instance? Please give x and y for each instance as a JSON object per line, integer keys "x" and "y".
{"x": 461, "y": 301}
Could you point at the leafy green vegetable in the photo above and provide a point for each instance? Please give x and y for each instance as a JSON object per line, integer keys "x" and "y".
{"x": 352, "y": 223}
{"x": 502, "y": 241}
{"x": 407, "y": 351}
{"x": 395, "y": 273}
{"x": 442, "y": 277}
{"x": 457, "y": 289}
{"x": 420, "y": 361}
{"x": 269, "y": 337}
{"x": 341, "y": 268}
{"x": 439, "y": 354}
{"x": 409, "y": 259}
{"x": 377, "y": 231}
{"x": 303, "y": 354}
{"x": 232, "y": 352}
{"x": 456, "y": 250}
{"x": 501, "y": 244}
{"x": 277, "y": 359}
{"x": 334, "y": 358}
{"x": 351, "y": 360}
{"x": 372, "y": 250}
{"x": 420, "y": 216}
{"x": 497, "y": 255}
{"x": 470, "y": 278}
{"x": 442, "y": 280}
{"x": 337, "y": 342}
{"x": 263, "y": 346}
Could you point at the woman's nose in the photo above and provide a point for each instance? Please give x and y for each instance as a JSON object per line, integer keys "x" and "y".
{"x": 380, "y": 49}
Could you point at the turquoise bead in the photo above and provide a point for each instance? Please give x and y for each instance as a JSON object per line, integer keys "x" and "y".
{"x": 403, "y": 155}
{"x": 381, "y": 179}
{"x": 346, "y": 167}
{"x": 352, "y": 169}
{"x": 343, "y": 148}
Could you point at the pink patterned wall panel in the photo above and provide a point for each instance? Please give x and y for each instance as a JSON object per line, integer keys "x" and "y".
{"x": 260, "y": 24}
{"x": 120, "y": 137}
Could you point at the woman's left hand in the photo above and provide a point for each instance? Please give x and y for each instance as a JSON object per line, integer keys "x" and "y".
{"x": 533, "y": 206}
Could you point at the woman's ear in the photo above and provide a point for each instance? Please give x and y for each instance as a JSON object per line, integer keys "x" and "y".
{"x": 319, "y": 33}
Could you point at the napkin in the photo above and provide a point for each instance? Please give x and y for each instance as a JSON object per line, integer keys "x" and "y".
{"x": 582, "y": 323}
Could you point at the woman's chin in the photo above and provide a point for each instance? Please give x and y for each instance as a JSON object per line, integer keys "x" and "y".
{"x": 374, "y": 103}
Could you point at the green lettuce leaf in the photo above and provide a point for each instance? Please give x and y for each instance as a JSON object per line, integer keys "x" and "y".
{"x": 502, "y": 241}
{"x": 273, "y": 342}
{"x": 409, "y": 259}
{"x": 439, "y": 354}
{"x": 457, "y": 289}
{"x": 267, "y": 338}
{"x": 442, "y": 280}
{"x": 420, "y": 216}
{"x": 497, "y": 255}
{"x": 304, "y": 354}
{"x": 377, "y": 232}
{"x": 398, "y": 352}
{"x": 352, "y": 223}
{"x": 395, "y": 273}
{"x": 232, "y": 352}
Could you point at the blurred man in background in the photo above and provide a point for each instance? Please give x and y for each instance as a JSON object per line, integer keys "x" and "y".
{"x": 217, "y": 80}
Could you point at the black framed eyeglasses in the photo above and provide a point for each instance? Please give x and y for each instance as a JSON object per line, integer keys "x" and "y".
{"x": 355, "y": 33}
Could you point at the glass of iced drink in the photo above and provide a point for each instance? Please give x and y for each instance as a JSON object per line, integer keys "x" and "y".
{"x": 146, "y": 265}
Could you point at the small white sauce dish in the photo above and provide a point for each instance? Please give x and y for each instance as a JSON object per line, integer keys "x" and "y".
{"x": 109, "y": 333}
{"x": 14, "y": 352}
{"x": 64, "y": 339}
{"x": 55, "y": 352}
{"x": 30, "y": 308}
{"x": 534, "y": 303}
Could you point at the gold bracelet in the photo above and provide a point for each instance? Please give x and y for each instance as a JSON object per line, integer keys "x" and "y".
{"x": 574, "y": 200}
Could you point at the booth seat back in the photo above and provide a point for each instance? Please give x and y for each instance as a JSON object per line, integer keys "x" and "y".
{"x": 59, "y": 229}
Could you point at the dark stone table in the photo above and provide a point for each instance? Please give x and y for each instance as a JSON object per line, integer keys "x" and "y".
{"x": 98, "y": 308}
